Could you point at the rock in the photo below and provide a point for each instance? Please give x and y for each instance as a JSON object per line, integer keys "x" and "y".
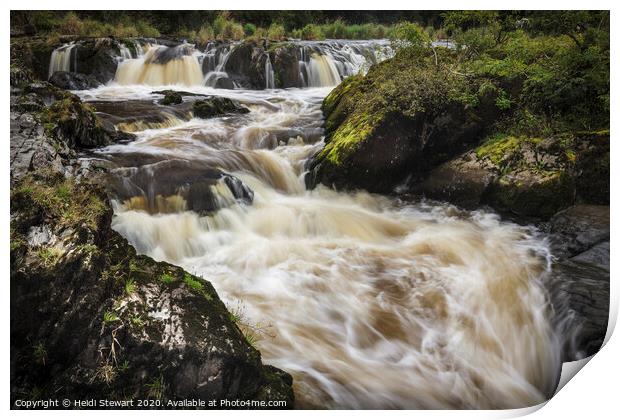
{"x": 155, "y": 187}
{"x": 285, "y": 58}
{"x": 171, "y": 97}
{"x": 379, "y": 132}
{"x": 523, "y": 177}
{"x": 138, "y": 115}
{"x": 98, "y": 58}
{"x": 30, "y": 145}
{"x": 579, "y": 281}
{"x": 217, "y": 106}
{"x": 73, "y": 81}
{"x": 75, "y": 122}
{"x": 462, "y": 181}
{"x": 531, "y": 194}
{"x": 598, "y": 255}
{"x": 580, "y": 297}
{"x": 578, "y": 229}
{"x": 246, "y": 65}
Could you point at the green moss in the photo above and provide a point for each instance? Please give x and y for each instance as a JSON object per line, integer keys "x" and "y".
{"x": 193, "y": 282}
{"x": 536, "y": 196}
{"x": 355, "y": 130}
{"x": 166, "y": 278}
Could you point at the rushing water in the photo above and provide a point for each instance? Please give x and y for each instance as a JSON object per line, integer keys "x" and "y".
{"x": 368, "y": 301}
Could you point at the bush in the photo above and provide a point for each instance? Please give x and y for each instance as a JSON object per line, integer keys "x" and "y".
{"x": 276, "y": 32}
{"x": 409, "y": 35}
{"x": 71, "y": 25}
{"x": 312, "y": 32}
{"x": 249, "y": 29}
{"x": 205, "y": 34}
{"x": 146, "y": 29}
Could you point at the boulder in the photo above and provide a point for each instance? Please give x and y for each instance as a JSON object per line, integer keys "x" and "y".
{"x": 402, "y": 119}
{"x": 98, "y": 58}
{"x": 215, "y": 106}
{"x": 171, "y": 97}
{"x": 523, "y": 177}
{"x": 73, "y": 81}
{"x": 246, "y": 65}
{"x": 285, "y": 59}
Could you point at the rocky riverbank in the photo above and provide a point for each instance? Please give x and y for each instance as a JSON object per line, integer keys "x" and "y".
{"x": 89, "y": 317}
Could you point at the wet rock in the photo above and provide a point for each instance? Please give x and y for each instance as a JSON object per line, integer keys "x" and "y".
{"x": 73, "y": 81}
{"x": 580, "y": 297}
{"x": 132, "y": 116}
{"x": 176, "y": 185}
{"x": 378, "y": 133}
{"x": 246, "y": 65}
{"x": 285, "y": 58}
{"x": 171, "y": 97}
{"x": 462, "y": 181}
{"x": 578, "y": 229}
{"x": 216, "y": 106}
{"x": 75, "y": 122}
{"x": 579, "y": 282}
{"x": 97, "y": 58}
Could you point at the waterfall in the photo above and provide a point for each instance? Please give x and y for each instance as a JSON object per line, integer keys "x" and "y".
{"x": 61, "y": 59}
{"x": 215, "y": 63}
{"x": 160, "y": 66}
{"x": 269, "y": 76}
{"x": 125, "y": 52}
{"x": 327, "y": 63}
{"x": 322, "y": 71}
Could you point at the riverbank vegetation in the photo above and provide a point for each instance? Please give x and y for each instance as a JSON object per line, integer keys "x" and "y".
{"x": 210, "y": 25}
{"x": 528, "y": 95}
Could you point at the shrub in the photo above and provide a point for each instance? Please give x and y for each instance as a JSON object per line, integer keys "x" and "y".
{"x": 249, "y": 29}
{"x": 276, "y": 32}
{"x": 71, "y": 25}
{"x": 312, "y": 32}
{"x": 145, "y": 29}
{"x": 409, "y": 35}
{"x": 205, "y": 34}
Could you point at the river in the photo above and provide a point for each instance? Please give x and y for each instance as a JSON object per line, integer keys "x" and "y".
{"x": 369, "y": 301}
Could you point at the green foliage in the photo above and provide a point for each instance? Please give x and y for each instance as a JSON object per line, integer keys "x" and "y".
{"x": 249, "y": 29}
{"x": 156, "y": 388}
{"x": 166, "y": 278}
{"x": 49, "y": 256}
{"x": 64, "y": 200}
{"x": 311, "y": 32}
{"x": 409, "y": 35}
{"x": 276, "y": 32}
{"x": 39, "y": 353}
{"x": 110, "y": 317}
{"x": 224, "y": 27}
{"x": 130, "y": 286}
{"x": 193, "y": 282}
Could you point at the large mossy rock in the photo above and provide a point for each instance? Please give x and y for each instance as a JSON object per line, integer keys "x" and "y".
{"x": 406, "y": 116}
{"x": 525, "y": 176}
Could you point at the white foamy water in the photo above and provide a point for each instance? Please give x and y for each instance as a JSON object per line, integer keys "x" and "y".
{"x": 367, "y": 301}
